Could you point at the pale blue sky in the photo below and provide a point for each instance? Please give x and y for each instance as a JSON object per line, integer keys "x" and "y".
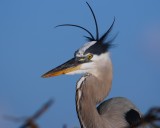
{"x": 30, "y": 46}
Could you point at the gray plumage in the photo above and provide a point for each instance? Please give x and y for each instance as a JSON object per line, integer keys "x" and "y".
{"x": 92, "y": 89}
{"x": 94, "y": 61}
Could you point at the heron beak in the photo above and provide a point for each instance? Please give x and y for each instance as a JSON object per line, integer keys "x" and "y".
{"x": 65, "y": 68}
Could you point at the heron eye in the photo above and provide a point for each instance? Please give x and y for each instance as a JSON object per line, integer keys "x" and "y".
{"x": 89, "y": 56}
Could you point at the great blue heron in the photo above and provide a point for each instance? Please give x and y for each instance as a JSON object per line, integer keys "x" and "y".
{"x": 93, "y": 60}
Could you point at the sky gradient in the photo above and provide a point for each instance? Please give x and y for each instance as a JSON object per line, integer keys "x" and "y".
{"x": 30, "y": 46}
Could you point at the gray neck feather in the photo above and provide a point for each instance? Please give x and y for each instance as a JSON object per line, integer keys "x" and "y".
{"x": 91, "y": 90}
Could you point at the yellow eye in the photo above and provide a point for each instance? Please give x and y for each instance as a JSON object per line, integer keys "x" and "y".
{"x": 89, "y": 56}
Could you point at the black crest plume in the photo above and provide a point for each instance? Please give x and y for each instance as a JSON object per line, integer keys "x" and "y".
{"x": 92, "y": 38}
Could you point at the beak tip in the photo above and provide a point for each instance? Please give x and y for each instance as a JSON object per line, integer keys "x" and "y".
{"x": 65, "y": 68}
{"x": 47, "y": 75}
{"x": 44, "y": 76}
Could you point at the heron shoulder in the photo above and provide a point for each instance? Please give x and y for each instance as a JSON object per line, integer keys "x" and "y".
{"x": 119, "y": 111}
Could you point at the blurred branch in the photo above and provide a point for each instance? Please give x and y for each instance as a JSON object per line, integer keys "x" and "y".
{"x": 152, "y": 117}
{"x": 42, "y": 110}
{"x": 14, "y": 119}
{"x": 30, "y": 122}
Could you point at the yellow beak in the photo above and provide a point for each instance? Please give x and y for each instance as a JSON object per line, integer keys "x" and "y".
{"x": 69, "y": 66}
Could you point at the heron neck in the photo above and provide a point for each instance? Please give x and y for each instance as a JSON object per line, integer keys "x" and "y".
{"x": 87, "y": 112}
{"x": 92, "y": 90}
{"x": 102, "y": 77}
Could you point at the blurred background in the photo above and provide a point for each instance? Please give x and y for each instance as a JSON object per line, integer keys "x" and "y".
{"x": 30, "y": 46}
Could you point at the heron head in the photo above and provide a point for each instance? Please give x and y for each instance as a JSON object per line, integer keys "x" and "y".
{"x": 88, "y": 56}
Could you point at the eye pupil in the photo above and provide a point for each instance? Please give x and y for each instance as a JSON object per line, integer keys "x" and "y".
{"x": 90, "y": 56}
